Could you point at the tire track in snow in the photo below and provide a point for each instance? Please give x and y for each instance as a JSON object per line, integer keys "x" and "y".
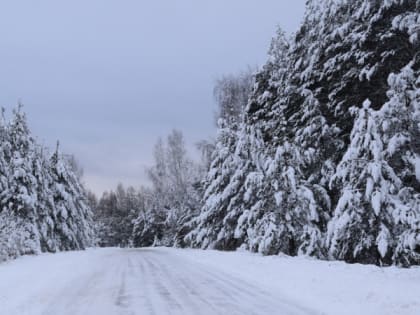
{"x": 192, "y": 303}
{"x": 147, "y": 282}
{"x": 220, "y": 291}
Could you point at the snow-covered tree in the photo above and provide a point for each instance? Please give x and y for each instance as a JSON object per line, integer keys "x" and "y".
{"x": 370, "y": 211}
{"x": 20, "y": 197}
{"x": 73, "y": 216}
{"x": 173, "y": 199}
{"x": 277, "y": 184}
{"x": 399, "y": 120}
{"x": 219, "y": 188}
{"x": 41, "y": 201}
{"x": 287, "y": 215}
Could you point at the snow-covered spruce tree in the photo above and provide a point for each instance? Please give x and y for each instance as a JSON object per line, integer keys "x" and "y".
{"x": 232, "y": 234}
{"x": 223, "y": 222}
{"x": 5, "y": 153}
{"x": 17, "y": 233}
{"x": 353, "y": 44}
{"x": 400, "y": 127}
{"x": 346, "y": 57}
{"x": 264, "y": 112}
{"x": 46, "y": 215}
{"x": 312, "y": 140}
{"x": 20, "y": 198}
{"x": 370, "y": 213}
{"x": 287, "y": 219}
{"x": 342, "y": 54}
{"x": 219, "y": 189}
{"x": 73, "y": 217}
{"x": 30, "y": 210}
{"x": 264, "y": 124}
{"x": 280, "y": 163}
{"x": 400, "y": 119}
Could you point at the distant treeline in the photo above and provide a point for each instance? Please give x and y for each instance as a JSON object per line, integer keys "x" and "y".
{"x": 317, "y": 154}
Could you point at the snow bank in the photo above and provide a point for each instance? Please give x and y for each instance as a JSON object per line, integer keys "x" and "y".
{"x": 333, "y": 288}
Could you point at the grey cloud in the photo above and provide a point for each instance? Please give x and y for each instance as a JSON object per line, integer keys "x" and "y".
{"x": 108, "y": 77}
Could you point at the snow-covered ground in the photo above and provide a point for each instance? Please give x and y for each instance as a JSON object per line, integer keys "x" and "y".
{"x": 171, "y": 281}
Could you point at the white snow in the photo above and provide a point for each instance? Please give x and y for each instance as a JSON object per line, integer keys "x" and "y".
{"x": 330, "y": 288}
{"x": 172, "y": 281}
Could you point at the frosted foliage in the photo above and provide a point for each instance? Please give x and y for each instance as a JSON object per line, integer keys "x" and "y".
{"x": 173, "y": 200}
{"x": 325, "y": 161}
{"x": 410, "y": 23}
{"x": 360, "y": 169}
{"x": 401, "y": 119}
{"x": 219, "y": 186}
{"x": 17, "y": 237}
{"x": 290, "y": 211}
{"x": 364, "y": 168}
{"x": 42, "y": 207}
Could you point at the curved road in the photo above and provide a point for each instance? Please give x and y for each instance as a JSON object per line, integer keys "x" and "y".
{"x": 138, "y": 282}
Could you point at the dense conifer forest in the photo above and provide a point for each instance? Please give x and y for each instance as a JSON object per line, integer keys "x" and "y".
{"x": 43, "y": 206}
{"x": 317, "y": 153}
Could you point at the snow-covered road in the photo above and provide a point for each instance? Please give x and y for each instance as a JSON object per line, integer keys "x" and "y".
{"x": 163, "y": 281}
{"x": 129, "y": 282}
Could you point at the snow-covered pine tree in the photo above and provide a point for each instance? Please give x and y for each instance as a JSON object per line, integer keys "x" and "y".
{"x": 400, "y": 119}
{"x": 242, "y": 172}
{"x": 265, "y": 109}
{"x": 20, "y": 198}
{"x": 219, "y": 189}
{"x": 17, "y": 236}
{"x": 29, "y": 220}
{"x": 269, "y": 124}
{"x": 288, "y": 216}
{"x": 400, "y": 128}
{"x": 73, "y": 217}
{"x": 45, "y": 207}
{"x": 233, "y": 234}
{"x": 223, "y": 185}
{"x": 365, "y": 226}
{"x": 4, "y": 153}
{"x": 343, "y": 54}
{"x": 264, "y": 124}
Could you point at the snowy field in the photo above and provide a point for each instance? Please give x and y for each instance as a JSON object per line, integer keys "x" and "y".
{"x": 170, "y": 281}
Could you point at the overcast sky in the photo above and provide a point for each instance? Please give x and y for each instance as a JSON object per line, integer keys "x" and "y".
{"x": 108, "y": 77}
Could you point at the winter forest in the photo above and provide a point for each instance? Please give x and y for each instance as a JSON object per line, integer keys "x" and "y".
{"x": 317, "y": 153}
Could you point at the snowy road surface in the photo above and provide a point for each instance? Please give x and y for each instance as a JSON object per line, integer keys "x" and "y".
{"x": 193, "y": 282}
{"x": 129, "y": 282}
